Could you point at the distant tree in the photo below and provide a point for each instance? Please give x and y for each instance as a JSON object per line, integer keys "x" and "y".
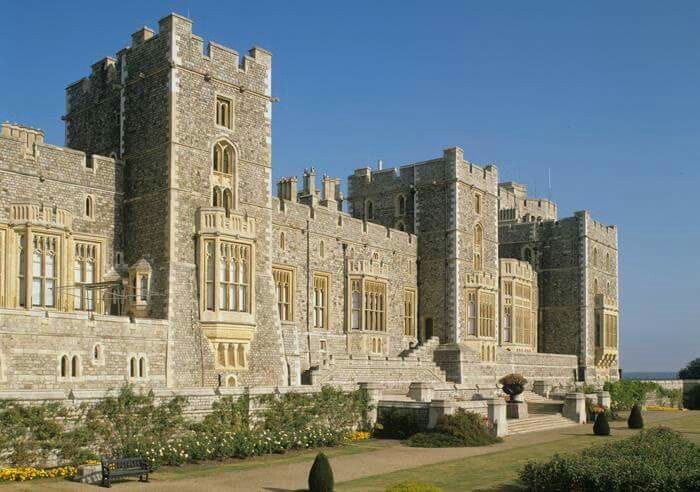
{"x": 691, "y": 371}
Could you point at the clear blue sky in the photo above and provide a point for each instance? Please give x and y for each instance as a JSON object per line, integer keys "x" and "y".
{"x": 605, "y": 94}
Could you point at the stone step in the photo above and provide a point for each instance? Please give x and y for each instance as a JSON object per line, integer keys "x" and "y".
{"x": 550, "y": 407}
{"x": 538, "y": 423}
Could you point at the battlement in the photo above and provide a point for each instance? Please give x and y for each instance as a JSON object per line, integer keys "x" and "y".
{"x": 29, "y": 136}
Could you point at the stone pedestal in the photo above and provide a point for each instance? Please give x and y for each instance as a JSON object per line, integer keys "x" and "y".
{"x": 421, "y": 391}
{"x": 496, "y": 408}
{"x": 575, "y": 407}
{"x": 438, "y": 408}
{"x": 604, "y": 399}
{"x": 517, "y": 410}
{"x": 520, "y": 398}
{"x": 374, "y": 394}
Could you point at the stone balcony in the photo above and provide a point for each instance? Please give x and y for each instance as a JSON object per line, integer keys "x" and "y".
{"x": 215, "y": 221}
{"x": 373, "y": 268}
{"x": 33, "y": 214}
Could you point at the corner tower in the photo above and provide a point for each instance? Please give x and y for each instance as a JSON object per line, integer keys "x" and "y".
{"x": 193, "y": 126}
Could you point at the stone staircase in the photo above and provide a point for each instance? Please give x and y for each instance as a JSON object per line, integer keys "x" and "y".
{"x": 538, "y": 422}
{"x": 396, "y": 373}
{"x": 544, "y": 414}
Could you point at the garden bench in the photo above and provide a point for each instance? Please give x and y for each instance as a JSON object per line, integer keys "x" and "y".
{"x": 124, "y": 467}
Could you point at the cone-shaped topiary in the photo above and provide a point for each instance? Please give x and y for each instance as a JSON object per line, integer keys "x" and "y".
{"x": 321, "y": 475}
{"x": 635, "y": 420}
{"x": 601, "y": 426}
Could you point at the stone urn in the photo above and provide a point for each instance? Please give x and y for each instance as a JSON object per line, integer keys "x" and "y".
{"x": 514, "y": 391}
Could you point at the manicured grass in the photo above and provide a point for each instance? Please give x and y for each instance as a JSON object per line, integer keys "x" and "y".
{"x": 499, "y": 470}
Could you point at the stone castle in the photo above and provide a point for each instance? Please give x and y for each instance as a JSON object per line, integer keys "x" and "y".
{"x": 149, "y": 250}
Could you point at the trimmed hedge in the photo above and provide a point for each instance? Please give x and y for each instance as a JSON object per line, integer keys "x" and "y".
{"x": 601, "y": 427}
{"x": 654, "y": 460}
{"x": 635, "y": 420}
{"x": 321, "y": 475}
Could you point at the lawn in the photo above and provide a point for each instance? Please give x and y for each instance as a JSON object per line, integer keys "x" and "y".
{"x": 499, "y": 470}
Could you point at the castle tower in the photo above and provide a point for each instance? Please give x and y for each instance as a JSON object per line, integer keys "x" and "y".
{"x": 193, "y": 127}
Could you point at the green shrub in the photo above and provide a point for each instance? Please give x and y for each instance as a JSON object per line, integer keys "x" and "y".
{"x": 589, "y": 389}
{"x": 657, "y": 459}
{"x": 461, "y": 429}
{"x": 321, "y": 475}
{"x": 411, "y": 486}
{"x": 434, "y": 440}
{"x": 626, "y": 392}
{"x": 692, "y": 398}
{"x": 601, "y": 427}
{"x": 397, "y": 424}
{"x": 635, "y": 420}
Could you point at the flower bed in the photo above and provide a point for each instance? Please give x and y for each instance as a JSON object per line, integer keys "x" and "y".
{"x": 23, "y": 473}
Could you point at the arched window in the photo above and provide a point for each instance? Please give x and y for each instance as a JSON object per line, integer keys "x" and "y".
{"x": 231, "y": 381}
{"x": 75, "y": 367}
{"x": 216, "y": 199}
{"x": 322, "y": 249}
{"x": 478, "y": 247}
{"x": 595, "y": 286}
{"x": 88, "y": 207}
{"x": 223, "y": 158}
{"x": 64, "y": 366}
{"x": 595, "y": 257}
{"x": 143, "y": 291}
{"x": 132, "y": 367}
{"x": 471, "y": 313}
{"x": 608, "y": 289}
{"x": 97, "y": 352}
{"x": 228, "y": 201}
{"x": 369, "y": 210}
{"x": 283, "y": 240}
{"x": 231, "y": 356}
{"x": 142, "y": 367}
{"x": 401, "y": 205}
{"x": 241, "y": 356}
{"x": 608, "y": 263}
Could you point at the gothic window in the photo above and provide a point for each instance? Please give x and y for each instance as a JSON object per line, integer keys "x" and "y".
{"x": 84, "y": 275}
{"x": 44, "y": 271}
{"x": 478, "y": 247}
{"x": 322, "y": 249}
{"x": 409, "y": 313}
{"x": 401, "y": 205}
{"x": 608, "y": 263}
{"x": 97, "y": 353}
{"x": 223, "y": 112}
{"x": 374, "y": 307}
{"x": 89, "y": 207}
{"x": 216, "y": 198}
{"x": 65, "y": 371}
{"x": 320, "y": 301}
{"x": 234, "y": 277}
{"x": 477, "y": 203}
{"x": 223, "y": 158}
{"x": 143, "y": 288}
{"x": 75, "y": 367}
{"x": 231, "y": 381}
{"x": 507, "y": 321}
{"x": 595, "y": 257}
{"x": 228, "y": 201}
{"x": 369, "y": 210}
{"x": 283, "y": 241}
{"x": 22, "y": 290}
{"x": 487, "y": 303}
{"x": 209, "y": 275}
{"x": 471, "y": 313}
{"x": 595, "y": 286}
{"x": 133, "y": 368}
{"x": 285, "y": 288}
{"x": 142, "y": 367}
{"x": 356, "y": 304}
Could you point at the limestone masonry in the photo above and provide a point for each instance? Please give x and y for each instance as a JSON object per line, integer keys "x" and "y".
{"x": 149, "y": 250}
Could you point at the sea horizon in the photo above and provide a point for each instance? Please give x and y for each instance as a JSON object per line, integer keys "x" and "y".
{"x": 649, "y": 374}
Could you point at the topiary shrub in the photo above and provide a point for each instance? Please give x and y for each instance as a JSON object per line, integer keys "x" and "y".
{"x": 635, "y": 420}
{"x": 411, "y": 486}
{"x": 601, "y": 427}
{"x": 321, "y": 475}
{"x": 691, "y": 399}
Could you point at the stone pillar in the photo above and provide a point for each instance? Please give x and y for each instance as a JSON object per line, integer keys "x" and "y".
{"x": 421, "y": 391}
{"x": 374, "y": 394}
{"x": 497, "y": 416}
{"x": 438, "y": 408}
{"x": 604, "y": 399}
{"x": 575, "y": 407}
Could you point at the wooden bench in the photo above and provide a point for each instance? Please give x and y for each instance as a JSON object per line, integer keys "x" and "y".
{"x": 124, "y": 467}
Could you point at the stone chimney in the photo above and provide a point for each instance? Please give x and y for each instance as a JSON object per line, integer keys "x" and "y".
{"x": 309, "y": 194}
{"x": 287, "y": 189}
